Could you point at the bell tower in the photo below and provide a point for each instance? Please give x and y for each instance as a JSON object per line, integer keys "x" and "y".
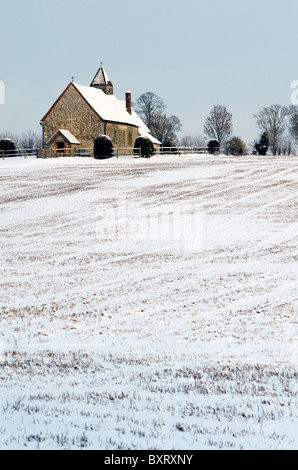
{"x": 102, "y": 81}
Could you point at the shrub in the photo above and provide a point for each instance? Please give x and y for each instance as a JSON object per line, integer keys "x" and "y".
{"x": 170, "y": 146}
{"x": 213, "y": 146}
{"x": 103, "y": 147}
{"x": 235, "y": 146}
{"x": 7, "y": 145}
{"x": 262, "y": 146}
{"x": 145, "y": 145}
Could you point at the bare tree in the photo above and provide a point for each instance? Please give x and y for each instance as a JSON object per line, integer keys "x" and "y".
{"x": 293, "y": 121}
{"x": 286, "y": 145}
{"x": 149, "y": 105}
{"x": 161, "y": 127}
{"x": 273, "y": 121}
{"x": 27, "y": 140}
{"x": 177, "y": 126}
{"x": 165, "y": 128}
{"x": 194, "y": 141}
{"x": 151, "y": 109}
{"x": 30, "y": 140}
{"x": 218, "y": 124}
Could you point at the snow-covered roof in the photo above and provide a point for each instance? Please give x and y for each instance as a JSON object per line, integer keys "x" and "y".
{"x": 66, "y": 134}
{"x": 108, "y": 107}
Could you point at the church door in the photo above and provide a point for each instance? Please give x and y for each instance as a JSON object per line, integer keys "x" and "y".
{"x": 60, "y": 149}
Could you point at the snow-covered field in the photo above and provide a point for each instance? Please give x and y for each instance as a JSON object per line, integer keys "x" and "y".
{"x": 149, "y": 303}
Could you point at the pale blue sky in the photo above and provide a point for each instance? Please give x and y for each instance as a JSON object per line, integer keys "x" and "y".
{"x": 192, "y": 53}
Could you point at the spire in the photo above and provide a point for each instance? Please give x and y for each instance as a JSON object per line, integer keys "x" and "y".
{"x": 102, "y": 81}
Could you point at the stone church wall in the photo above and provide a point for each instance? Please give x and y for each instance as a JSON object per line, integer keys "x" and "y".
{"x": 73, "y": 113}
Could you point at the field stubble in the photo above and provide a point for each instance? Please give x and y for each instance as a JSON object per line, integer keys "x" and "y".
{"x": 116, "y": 343}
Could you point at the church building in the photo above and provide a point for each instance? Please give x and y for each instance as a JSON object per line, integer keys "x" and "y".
{"x": 81, "y": 113}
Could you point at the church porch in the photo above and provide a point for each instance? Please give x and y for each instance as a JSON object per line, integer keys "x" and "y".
{"x": 62, "y": 143}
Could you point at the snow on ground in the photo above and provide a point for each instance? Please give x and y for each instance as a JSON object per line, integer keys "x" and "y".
{"x": 149, "y": 303}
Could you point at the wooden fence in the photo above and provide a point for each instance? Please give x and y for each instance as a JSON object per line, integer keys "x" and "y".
{"x": 88, "y": 152}
{"x": 18, "y": 153}
{"x": 118, "y": 152}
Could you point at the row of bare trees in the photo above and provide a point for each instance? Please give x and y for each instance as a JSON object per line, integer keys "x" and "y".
{"x": 26, "y": 140}
{"x": 279, "y": 123}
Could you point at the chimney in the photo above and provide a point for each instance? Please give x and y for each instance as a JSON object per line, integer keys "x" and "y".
{"x": 128, "y": 101}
